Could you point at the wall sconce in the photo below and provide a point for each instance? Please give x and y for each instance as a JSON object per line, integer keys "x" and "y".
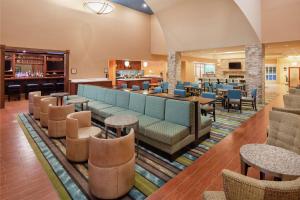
{"x": 126, "y": 63}
{"x": 145, "y": 64}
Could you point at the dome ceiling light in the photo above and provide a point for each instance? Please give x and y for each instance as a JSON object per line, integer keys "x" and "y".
{"x": 99, "y": 6}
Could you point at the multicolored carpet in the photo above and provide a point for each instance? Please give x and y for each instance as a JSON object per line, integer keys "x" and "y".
{"x": 152, "y": 170}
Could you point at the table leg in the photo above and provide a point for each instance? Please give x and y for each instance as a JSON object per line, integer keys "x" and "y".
{"x": 82, "y": 107}
{"x": 118, "y": 131}
{"x": 57, "y": 101}
{"x": 262, "y": 176}
{"x": 61, "y": 100}
{"x": 137, "y": 140}
{"x": 214, "y": 111}
{"x": 244, "y": 168}
{"x": 106, "y": 134}
{"x": 196, "y": 122}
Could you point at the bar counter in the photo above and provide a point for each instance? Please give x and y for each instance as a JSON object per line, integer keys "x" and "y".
{"x": 132, "y": 81}
{"x": 103, "y": 82}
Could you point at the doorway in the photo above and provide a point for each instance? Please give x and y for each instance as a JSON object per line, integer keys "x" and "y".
{"x": 294, "y": 76}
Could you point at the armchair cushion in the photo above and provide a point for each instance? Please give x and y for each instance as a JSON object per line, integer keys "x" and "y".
{"x": 166, "y": 132}
{"x": 145, "y": 121}
{"x": 80, "y": 90}
{"x": 86, "y": 132}
{"x": 96, "y": 107}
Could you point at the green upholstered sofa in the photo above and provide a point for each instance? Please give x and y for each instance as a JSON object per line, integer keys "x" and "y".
{"x": 166, "y": 124}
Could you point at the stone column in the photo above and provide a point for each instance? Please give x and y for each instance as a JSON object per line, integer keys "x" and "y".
{"x": 174, "y": 70}
{"x": 255, "y": 70}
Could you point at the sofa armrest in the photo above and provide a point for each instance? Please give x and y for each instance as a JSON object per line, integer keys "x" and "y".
{"x": 288, "y": 110}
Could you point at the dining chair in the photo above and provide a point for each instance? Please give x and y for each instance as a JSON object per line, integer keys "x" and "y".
{"x": 234, "y": 97}
{"x": 165, "y": 86}
{"x": 158, "y": 90}
{"x": 186, "y": 83}
{"x": 180, "y": 86}
{"x": 251, "y": 99}
{"x": 179, "y": 92}
{"x": 208, "y": 108}
{"x": 146, "y": 85}
{"x": 135, "y": 88}
{"x": 206, "y": 86}
{"x": 124, "y": 86}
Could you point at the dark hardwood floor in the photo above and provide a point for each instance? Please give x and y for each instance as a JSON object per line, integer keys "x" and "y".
{"x": 22, "y": 176}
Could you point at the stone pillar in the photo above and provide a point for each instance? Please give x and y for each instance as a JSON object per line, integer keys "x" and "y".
{"x": 174, "y": 70}
{"x": 255, "y": 70}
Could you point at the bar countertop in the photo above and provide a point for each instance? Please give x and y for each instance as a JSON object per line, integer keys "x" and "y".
{"x": 88, "y": 80}
{"x": 134, "y": 79}
{"x": 33, "y": 78}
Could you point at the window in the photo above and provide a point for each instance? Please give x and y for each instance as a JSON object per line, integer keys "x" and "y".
{"x": 271, "y": 73}
{"x": 202, "y": 69}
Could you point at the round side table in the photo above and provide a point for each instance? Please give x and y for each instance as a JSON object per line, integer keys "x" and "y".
{"x": 59, "y": 96}
{"x": 120, "y": 123}
{"x": 276, "y": 161}
{"x": 79, "y": 101}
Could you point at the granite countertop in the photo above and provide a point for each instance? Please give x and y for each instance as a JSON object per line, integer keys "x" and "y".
{"x": 86, "y": 80}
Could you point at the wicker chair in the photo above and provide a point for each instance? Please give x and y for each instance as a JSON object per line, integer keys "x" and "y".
{"x": 79, "y": 130}
{"x": 284, "y": 131}
{"x": 45, "y": 102}
{"x": 57, "y": 116}
{"x": 111, "y": 166}
{"x": 240, "y": 187}
{"x": 37, "y": 106}
{"x": 30, "y": 101}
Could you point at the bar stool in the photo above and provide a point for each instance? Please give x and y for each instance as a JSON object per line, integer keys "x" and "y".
{"x": 31, "y": 87}
{"x": 14, "y": 90}
{"x": 60, "y": 87}
{"x": 48, "y": 88}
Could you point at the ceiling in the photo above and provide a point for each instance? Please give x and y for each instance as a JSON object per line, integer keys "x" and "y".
{"x": 272, "y": 51}
{"x": 138, "y": 5}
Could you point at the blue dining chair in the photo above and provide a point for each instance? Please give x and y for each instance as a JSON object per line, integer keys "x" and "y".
{"x": 227, "y": 87}
{"x": 205, "y": 109}
{"x": 206, "y": 86}
{"x": 135, "y": 88}
{"x": 179, "y": 92}
{"x": 146, "y": 85}
{"x": 186, "y": 83}
{"x": 157, "y": 90}
{"x": 165, "y": 86}
{"x": 234, "y": 97}
{"x": 179, "y": 82}
{"x": 180, "y": 86}
{"x": 124, "y": 86}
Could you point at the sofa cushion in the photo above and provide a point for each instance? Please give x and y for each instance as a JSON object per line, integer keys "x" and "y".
{"x": 145, "y": 121}
{"x": 100, "y": 94}
{"x": 110, "y": 97}
{"x": 129, "y": 112}
{"x": 89, "y": 92}
{"x": 205, "y": 122}
{"x": 123, "y": 99}
{"x": 166, "y": 132}
{"x": 178, "y": 112}
{"x": 96, "y": 107}
{"x": 155, "y": 107}
{"x": 80, "y": 90}
{"x": 107, "y": 112}
{"x": 137, "y": 102}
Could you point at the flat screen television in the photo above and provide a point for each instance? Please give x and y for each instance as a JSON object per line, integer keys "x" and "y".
{"x": 55, "y": 65}
{"x": 235, "y": 65}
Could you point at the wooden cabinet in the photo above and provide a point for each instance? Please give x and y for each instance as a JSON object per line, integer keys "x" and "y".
{"x": 133, "y": 65}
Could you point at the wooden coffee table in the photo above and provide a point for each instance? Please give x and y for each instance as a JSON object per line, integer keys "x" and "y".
{"x": 59, "y": 96}
{"x": 120, "y": 123}
{"x": 80, "y": 101}
{"x": 272, "y": 160}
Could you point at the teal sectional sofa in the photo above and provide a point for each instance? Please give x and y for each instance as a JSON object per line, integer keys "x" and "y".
{"x": 166, "y": 124}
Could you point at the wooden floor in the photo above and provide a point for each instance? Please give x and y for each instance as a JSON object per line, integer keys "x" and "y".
{"x": 22, "y": 176}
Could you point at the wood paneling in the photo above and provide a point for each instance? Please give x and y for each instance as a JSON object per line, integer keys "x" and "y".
{"x": 2, "y": 69}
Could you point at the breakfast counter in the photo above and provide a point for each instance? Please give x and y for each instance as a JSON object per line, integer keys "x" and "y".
{"x": 103, "y": 82}
{"x": 132, "y": 81}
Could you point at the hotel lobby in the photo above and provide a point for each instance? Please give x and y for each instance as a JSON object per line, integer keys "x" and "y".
{"x": 150, "y": 99}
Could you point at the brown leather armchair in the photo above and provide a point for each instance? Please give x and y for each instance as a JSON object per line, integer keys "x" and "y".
{"x": 30, "y": 100}
{"x": 57, "y": 116}
{"x": 79, "y": 130}
{"x": 37, "y": 106}
{"x": 111, "y": 166}
{"x": 45, "y": 102}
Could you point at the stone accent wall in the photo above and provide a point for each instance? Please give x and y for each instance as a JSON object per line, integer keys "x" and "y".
{"x": 174, "y": 70}
{"x": 255, "y": 70}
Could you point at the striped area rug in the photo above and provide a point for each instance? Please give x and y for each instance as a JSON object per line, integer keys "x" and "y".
{"x": 151, "y": 171}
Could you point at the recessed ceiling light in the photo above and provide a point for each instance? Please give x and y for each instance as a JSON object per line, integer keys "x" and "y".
{"x": 145, "y": 5}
